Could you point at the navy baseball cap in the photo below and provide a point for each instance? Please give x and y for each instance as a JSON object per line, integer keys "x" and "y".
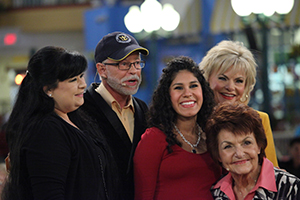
{"x": 117, "y": 46}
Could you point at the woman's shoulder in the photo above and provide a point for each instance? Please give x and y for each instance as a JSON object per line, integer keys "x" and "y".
{"x": 50, "y": 126}
{"x": 287, "y": 185}
{"x": 52, "y": 121}
{"x": 47, "y": 121}
{"x": 153, "y": 141}
{"x": 154, "y": 133}
{"x": 283, "y": 176}
{"x": 49, "y": 130}
{"x": 263, "y": 115}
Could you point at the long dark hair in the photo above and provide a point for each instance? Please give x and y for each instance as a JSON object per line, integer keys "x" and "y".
{"x": 161, "y": 113}
{"x": 46, "y": 68}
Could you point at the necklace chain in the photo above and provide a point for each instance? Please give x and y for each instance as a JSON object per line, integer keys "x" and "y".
{"x": 188, "y": 142}
{"x": 243, "y": 196}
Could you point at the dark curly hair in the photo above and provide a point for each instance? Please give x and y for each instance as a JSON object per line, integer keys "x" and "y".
{"x": 237, "y": 118}
{"x": 161, "y": 113}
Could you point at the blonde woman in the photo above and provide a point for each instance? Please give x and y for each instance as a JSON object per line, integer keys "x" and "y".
{"x": 230, "y": 69}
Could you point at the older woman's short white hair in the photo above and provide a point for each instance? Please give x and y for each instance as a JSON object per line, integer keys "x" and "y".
{"x": 231, "y": 55}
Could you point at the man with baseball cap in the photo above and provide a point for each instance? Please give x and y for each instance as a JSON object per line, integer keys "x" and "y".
{"x": 120, "y": 116}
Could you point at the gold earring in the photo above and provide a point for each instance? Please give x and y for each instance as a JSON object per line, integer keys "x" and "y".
{"x": 244, "y": 97}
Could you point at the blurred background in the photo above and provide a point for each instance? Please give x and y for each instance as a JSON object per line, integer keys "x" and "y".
{"x": 272, "y": 36}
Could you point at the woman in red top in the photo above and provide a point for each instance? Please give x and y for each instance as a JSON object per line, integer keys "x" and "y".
{"x": 171, "y": 160}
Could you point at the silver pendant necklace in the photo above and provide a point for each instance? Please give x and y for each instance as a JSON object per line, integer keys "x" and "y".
{"x": 188, "y": 142}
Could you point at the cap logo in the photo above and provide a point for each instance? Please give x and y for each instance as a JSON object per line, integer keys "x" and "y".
{"x": 122, "y": 38}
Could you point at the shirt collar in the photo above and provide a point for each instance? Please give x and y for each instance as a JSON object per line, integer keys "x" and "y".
{"x": 110, "y": 99}
{"x": 266, "y": 181}
{"x": 225, "y": 185}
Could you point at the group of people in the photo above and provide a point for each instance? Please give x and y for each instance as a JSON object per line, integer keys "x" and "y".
{"x": 197, "y": 140}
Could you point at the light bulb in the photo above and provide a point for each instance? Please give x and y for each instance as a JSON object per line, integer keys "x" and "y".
{"x": 151, "y": 14}
{"x": 241, "y": 7}
{"x": 170, "y": 18}
{"x": 133, "y": 19}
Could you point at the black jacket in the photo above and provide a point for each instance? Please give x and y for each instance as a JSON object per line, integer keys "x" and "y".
{"x": 117, "y": 138}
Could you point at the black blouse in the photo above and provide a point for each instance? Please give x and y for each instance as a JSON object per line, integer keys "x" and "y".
{"x": 60, "y": 161}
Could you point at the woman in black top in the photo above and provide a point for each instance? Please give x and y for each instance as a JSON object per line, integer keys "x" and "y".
{"x": 56, "y": 152}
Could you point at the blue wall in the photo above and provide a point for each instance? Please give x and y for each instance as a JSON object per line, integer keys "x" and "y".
{"x": 101, "y": 21}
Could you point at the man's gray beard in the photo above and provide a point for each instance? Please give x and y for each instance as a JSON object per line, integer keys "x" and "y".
{"x": 116, "y": 85}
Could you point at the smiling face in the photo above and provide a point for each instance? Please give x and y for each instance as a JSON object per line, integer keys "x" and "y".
{"x": 186, "y": 94}
{"x": 119, "y": 81}
{"x": 228, "y": 86}
{"x": 68, "y": 95}
{"x": 238, "y": 153}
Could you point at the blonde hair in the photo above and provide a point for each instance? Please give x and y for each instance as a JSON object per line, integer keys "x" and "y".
{"x": 231, "y": 55}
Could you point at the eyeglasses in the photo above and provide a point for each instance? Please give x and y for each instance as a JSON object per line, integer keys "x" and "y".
{"x": 127, "y": 65}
